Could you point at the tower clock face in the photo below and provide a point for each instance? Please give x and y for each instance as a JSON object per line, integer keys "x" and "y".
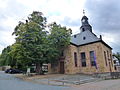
{"x": 83, "y": 20}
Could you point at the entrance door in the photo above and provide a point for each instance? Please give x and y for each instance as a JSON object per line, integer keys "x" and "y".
{"x": 62, "y": 67}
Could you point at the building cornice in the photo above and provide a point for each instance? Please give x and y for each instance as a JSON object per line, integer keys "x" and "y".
{"x": 92, "y": 43}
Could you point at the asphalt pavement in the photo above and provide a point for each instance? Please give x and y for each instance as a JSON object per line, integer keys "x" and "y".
{"x": 9, "y": 82}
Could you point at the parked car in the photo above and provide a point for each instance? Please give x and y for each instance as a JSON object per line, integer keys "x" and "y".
{"x": 13, "y": 71}
{"x": 8, "y": 70}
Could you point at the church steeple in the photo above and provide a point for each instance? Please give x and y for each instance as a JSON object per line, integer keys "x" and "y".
{"x": 85, "y": 24}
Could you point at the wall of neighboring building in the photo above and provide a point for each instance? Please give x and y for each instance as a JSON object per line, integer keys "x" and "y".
{"x": 3, "y": 68}
{"x": 116, "y": 64}
{"x": 0, "y": 68}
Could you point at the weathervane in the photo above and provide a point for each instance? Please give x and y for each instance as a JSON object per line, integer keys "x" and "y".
{"x": 83, "y": 12}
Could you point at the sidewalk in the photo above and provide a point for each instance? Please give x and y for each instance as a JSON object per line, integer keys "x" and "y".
{"x": 101, "y": 85}
{"x": 59, "y": 79}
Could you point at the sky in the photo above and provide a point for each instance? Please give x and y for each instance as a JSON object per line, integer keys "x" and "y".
{"x": 103, "y": 16}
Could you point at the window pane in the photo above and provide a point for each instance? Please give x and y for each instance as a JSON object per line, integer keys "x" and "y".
{"x": 75, "y": 59}
{"x": 105, "y": 58}
{"x": 82, "y": 55}
{"x": 92, "y": 58}
{"x": 83, "y": 59}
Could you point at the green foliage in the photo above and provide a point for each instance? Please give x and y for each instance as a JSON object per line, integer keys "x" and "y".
{"x": 32, "y": 38}
{"x": 59, "y": 36}
{"x": 5, "y": 58}
{"x": 59, "y": 39}
{"x": 34, "y": 45}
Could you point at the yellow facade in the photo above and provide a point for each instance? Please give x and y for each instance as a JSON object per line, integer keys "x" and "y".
{"x": 69, "y": 63}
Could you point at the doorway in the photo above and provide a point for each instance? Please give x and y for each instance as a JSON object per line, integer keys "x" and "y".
{"x": 62, "y": 71}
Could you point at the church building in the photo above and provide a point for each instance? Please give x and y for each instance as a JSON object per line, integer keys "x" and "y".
{"x": 86, "y": 54}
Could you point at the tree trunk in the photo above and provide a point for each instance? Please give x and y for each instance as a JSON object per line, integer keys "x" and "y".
{"x": 39, "y": 69}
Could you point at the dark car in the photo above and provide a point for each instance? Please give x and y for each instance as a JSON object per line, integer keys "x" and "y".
{"x": 13, "y": 71}
{"x": 8, "y": 70}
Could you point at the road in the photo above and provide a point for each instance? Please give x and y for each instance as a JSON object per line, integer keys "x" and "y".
{"x": 9, "y": 82}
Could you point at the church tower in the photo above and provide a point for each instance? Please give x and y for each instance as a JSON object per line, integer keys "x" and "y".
{"x": 85, "y": 24}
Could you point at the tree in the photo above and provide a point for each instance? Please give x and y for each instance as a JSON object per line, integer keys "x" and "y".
{"x": 32, "y": 37}
{"x": 34, "y": 45}
{"x": 59, "y": 40}
{"x": 5, "y": 58}
{"x": 17, "y": 54}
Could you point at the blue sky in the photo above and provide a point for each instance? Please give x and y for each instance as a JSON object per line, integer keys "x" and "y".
{"x": 103, "y": 16}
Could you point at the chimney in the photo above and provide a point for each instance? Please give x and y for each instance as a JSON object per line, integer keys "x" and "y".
{"x": 101, "y": 37}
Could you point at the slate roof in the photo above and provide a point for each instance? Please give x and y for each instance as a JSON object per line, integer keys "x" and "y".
{"x": 84, "y": 38}
{"x": 78, "y": 39}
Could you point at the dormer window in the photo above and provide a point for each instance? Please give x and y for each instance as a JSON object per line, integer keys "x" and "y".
{"x": 83, "y": 29}
{"x": 74, "y": 36}
{"x": 84, "y": 38}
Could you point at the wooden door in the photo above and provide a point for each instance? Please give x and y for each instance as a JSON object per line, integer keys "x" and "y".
{"x": 62, "y": 67}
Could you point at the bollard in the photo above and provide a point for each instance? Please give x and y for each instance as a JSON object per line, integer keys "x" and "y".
{"x": 48, "y": 81}
{"x": 63, "y": 82}
{"x": 79, "y": 80}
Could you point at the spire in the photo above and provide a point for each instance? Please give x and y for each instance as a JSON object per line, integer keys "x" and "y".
{"x": 84, "y": 17}
{"x": 83, "y": 12}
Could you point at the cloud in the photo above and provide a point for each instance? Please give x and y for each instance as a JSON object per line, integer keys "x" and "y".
{"x": 10, "y": 11}
{"x": 13, "y": 11}
{"x": 104, "y": 14}
{"x": 104, "y": 17}
{"x": 69, "y": 22}
{"x": 6, "y": 39}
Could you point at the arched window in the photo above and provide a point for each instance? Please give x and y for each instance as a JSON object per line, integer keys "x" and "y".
{"x": 75, "y": 59}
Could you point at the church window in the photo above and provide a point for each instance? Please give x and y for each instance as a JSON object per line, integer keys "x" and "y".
{"x": 83, "y": 59}
{"x": 115, "y": 68}
{"x": 108, "y": 55}
{"x": 92, "y": 58}
{"x": 111, "y": 60}
{"x": 105, "y": 58}
{"x": 75, "y": 59}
